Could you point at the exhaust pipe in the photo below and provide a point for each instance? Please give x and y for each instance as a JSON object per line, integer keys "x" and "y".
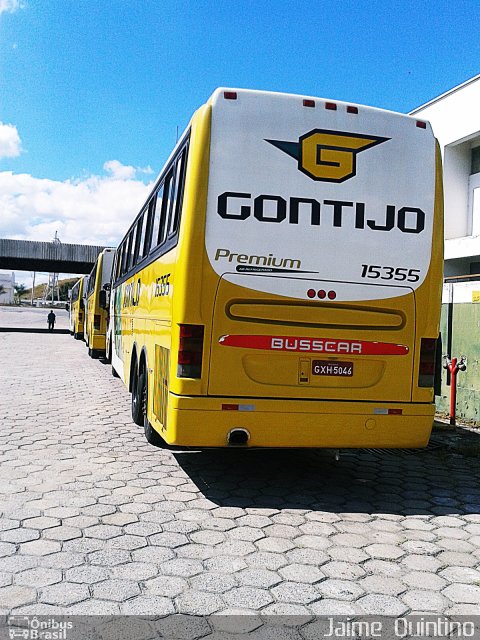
{"x": 238, "y": 437}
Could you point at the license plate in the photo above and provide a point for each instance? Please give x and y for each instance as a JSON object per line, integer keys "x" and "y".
{"x": 336, "y": 369}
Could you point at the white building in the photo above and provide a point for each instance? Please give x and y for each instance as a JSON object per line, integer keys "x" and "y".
{"x": 7, "y": 281}
{"x": 455, "y": 118}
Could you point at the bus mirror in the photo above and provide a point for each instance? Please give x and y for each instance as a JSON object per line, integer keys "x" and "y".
{"x": 102, "y": 301}
{"x": 107, "y": 286}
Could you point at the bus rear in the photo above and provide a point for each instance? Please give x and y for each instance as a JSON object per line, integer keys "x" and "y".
{"x": 306, "y": 312}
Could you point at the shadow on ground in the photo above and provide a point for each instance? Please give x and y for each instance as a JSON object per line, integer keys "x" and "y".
{"x": 442, "y": 479}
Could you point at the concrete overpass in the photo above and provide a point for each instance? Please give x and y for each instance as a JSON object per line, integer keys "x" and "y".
{"x": 26, "y": 255}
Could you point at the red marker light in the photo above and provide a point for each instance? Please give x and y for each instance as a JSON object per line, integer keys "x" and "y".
{"x": 421, "y": 125}
{"x": 332, "y": 295}
{"x": 321, "y": 294}
{"x": 311, "y": 293}
{"x": 308, "y": 103}
{"x": 331, "y": 106}
{"x": 351, "y": 109}
{"x": 230, "y": 95}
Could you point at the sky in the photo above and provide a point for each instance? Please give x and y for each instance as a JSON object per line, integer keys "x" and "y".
{"x": 93, "y": 93}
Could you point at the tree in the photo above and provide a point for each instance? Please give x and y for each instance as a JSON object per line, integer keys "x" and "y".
{"x": 20, "y": 290}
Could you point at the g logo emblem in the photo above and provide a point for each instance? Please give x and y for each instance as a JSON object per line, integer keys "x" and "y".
{"x": 328, "y": 156}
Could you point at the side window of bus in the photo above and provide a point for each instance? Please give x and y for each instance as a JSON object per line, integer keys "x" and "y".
{"x": 138, "y": 237}
{"x": 126, "y": 254}
{"x": 177, "y": 198}
{"x": 141, "y": 236}
{"x": 157, "y": 219}
{"x": 131, "y": 247}
{"x": 118, "y": 265}
{"x": 167, "y": 205}
{"x": 147, "y": 239}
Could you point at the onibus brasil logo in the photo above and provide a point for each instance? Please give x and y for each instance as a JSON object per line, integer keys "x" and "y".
{"x": 328, "y": 156}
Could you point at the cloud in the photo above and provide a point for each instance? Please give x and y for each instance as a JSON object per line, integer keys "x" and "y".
{"x": 10, "y": 143}
{"x": 93, "y": 210}
{"x": 10, "y": 6}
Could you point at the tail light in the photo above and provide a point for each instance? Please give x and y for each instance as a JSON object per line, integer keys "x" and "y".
{"x": 96, "y": 321}
{"x": 426, "y": 369}
{"x": 190, "y": 351}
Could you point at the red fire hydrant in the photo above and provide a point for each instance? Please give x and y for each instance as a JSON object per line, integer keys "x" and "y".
{"x": 454, "y": 366}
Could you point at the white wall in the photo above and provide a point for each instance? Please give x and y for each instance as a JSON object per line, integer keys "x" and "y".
{"x": 455, "y": 119}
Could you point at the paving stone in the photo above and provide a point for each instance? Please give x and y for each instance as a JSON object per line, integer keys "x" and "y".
{"x": 8, "y": 548}
{"x": 339, "y": 589}
{"x": 424, "y": 600}
{"x": 266, "y": 560}
{"x": 16, "y": 596}
{"x": 382, "y": 584}
{"x": 198, "y": 602}
{"x": 109, "y": 557}
{"x": 208, "y": 537}
{"x": 93, "y": 607}
{"x": 183, "y": 627}
{"x": 461, "y": 574}
{"x": 155, "y": 555}
{"x": 134, "y": 571}
{"x": 61, "y": 560}
{"x": 225, "y": 564}
{"x": 248, "y": 597}
{"x": 64, "y": 593}
{"x": 452, "y": 558}
{"x": 262, "y": 578}
{"x": 275, "y": 545}
{"x": 182, "y": 567}
{"x": 302, "y": 573}
{"x": 38, "y": 577}
{"x": 424, "y": 580}
{"x": 20, "y": 535}
{"x": 62, "y": 533}
{"x": 147, "y": 606}
{"x": 102, "y": 531}
{"x": 213, "y": 582}
{"x": 295, "y": 592}
{"x": 377, "y": 604}
{"x": 117, "y": 590}
{"x": 463, "y": 593}
{"x": 342, "y": 570}
{"x": 87, "y": 574}
{"x": 330, "y": 607}
{"x": 42, "y": 522}
{"x": 39, "y": 547}
{"x": 119, "y": 519}
{"x": 249, "y": 534}
{"x": 168, "y": 586}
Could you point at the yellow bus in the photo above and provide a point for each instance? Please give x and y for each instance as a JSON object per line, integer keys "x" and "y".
{"x": 76, "y": 308}
{"x": 96, "y": 307}
{"x": 281, "y": 285}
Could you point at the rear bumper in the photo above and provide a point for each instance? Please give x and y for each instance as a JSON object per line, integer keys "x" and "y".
{"x": 201, "y": 422}
{"x": 97, "y": 341}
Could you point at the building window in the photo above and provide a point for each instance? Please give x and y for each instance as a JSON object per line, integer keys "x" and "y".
{"x": 475, "y": 160}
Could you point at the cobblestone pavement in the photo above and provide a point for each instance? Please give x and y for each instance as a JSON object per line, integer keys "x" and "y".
{"x": 95, "y": 520}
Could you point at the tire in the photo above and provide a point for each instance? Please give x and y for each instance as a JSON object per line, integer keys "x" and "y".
{"x": 137, "y": 399}
{"x": 90, "y": 352}
{"x": 77, "y": 336}
{"x": 152, "y": 436}
{"x": 114, "y": 373}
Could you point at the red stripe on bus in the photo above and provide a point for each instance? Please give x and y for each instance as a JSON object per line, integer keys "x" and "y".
{"x": 314, "y": 345}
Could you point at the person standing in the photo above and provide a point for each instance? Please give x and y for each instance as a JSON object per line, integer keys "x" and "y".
{"x": 51, "y": 321}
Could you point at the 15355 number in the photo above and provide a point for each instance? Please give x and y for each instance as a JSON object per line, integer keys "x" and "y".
{"x": 401, "y": 274}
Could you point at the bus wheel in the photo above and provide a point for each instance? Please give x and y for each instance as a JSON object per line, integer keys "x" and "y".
{"x": 114, "y": 372}
{"x": 137, "y": 399}
{"x": 152, "y": 436}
